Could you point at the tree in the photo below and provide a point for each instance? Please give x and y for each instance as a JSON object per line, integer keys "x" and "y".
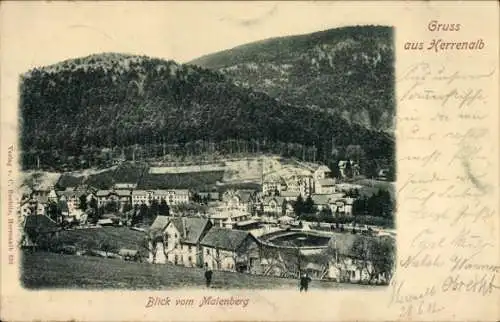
{"x": 127, "y": 207}
{"x": 355, "y": 152}
{"x": 111, "y": 206}
{"x": 150, "y": 244}
{"x": 348, "y": 169}
{"x": 93, "y": 203}
{"x": 309, "y": 207}
{"x": 383, "y": 256}
{"x": 219, "y": 257}
{"x": 386, "y": 204}
{"x": 189, "y": 208}
{"x": 370, "y": 168}
{"x": 298, "y": 207}
{"x": 196, "y": 198}
{"x": 335, "y": 259}
{"x": 272, "y": 256}
{"x": 374, "y": 256}
{"x": 286, "y": 261}
{"x": 142, "y": 214}
{"x": 325, "y": 214}
{"x": 153, "y": 210}
{"x": 334, "y": 166}
{"x": 83, "y": 202}
{"x": 54, "y": 211}
{"x": 284, "y": 206}
{"x": 92, "y": 215}
{"x": 163, "y": 208}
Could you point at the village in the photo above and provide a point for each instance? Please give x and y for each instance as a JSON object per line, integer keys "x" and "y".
{"x": 281, "y": 220}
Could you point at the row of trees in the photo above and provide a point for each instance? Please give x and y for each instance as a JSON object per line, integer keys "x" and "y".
{"x": 302, "y": 206}
{"x": 378, "y": 209}
{"x": 380, "y": 204}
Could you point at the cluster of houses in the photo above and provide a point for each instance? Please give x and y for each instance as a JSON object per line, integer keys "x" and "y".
{"x": 226, "y": 236}
{"x": 276, "y": 197}
{"x": 284, "y": 186}
{"x": 69, "y": 200}
{"x": 196, "y": 242}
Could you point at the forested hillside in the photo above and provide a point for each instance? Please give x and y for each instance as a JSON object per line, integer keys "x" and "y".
{"x": 78, "y": 107}
{"x": 348, "y": 71}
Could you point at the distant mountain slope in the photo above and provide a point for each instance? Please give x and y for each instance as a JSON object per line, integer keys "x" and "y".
{"x": 110, "y": 100}
{"x": 346, "y": 70}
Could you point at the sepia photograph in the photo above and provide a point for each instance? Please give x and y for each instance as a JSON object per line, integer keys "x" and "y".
{"x": 267, "y": 165}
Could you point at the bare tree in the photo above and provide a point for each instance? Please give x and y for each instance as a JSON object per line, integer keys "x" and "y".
{"x": 287, "y": 260}
{"x": 335, "y": 259}
{"x": 374, "y": 256}
{"x": 151, "y": 242}
{"x": 219, "y": 258}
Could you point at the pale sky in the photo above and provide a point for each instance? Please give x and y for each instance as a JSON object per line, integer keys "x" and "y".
{"x": 39, "y": 33}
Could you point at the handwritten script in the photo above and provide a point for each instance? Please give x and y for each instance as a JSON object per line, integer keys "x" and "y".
{"x": 446, "y": 190}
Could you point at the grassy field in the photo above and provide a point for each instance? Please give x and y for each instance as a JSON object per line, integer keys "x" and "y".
{"x": 47, "y": 270}
{"x": 68, "y": 180}
{"x": 129, "y": 172}
{"x": 121, "y": 237}
{"x": 102, "y": 180}
{"x": 189, "y": 180}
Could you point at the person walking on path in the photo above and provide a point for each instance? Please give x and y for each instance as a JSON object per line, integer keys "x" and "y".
{"x": 208, "y": 275}
{"x": 304, "y": 282}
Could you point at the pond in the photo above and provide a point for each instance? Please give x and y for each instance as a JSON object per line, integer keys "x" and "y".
{"x": 300, "y": 239}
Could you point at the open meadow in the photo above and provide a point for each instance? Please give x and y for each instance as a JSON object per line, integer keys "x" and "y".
{"x": 48, "y": 270}
{"x": 117, "y": 237}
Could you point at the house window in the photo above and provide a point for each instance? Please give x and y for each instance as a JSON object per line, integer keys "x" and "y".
{"x": 208, "y": 251}
{"x": 190, "y": 260}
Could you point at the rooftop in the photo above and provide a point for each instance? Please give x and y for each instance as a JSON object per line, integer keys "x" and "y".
{"x": 194, "y": 226}
{"x": 224, "y": 238}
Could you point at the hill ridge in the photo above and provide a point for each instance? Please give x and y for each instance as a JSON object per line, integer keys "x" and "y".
{"x": 75, "y": 109}
{"x": 347, "y": 71}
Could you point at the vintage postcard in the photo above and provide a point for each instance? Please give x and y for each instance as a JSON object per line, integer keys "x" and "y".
{"x": 249, "y": 161}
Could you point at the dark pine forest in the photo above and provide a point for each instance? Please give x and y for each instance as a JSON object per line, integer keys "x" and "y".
{"x": 137, "y": 105}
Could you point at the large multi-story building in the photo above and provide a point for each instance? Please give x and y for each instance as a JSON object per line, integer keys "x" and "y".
{"x": 120, "y": 196}
{"x": 171, "y": 197}
{"x": 272, "y": 184}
